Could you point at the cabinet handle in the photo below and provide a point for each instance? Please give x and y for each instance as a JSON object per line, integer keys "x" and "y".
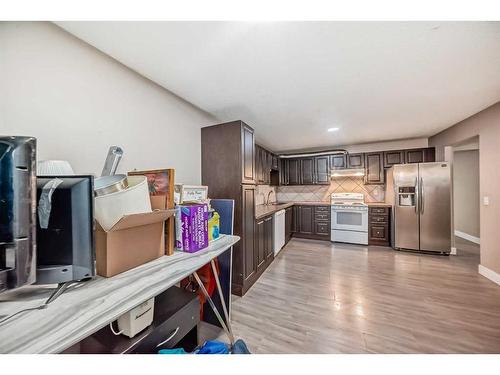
{"x": 169, "y": 337}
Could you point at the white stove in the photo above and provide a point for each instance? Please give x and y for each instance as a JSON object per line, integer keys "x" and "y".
{"x": 349, "y": 218}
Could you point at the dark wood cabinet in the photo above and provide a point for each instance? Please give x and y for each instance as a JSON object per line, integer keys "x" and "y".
{"x": 312, "y": 221}
{"x": 338, "y": 161}
{"x": 394, "y": 157}
{"x": 248, "y": 230}
{"x": 305, "y": 219}
{"x": 275, "y": 162}
{"x": 355, "y": 160}
{"x": 420, "y": 155}
{"x": 295, "y": 218}
{"x": 321, "y": 170}
{"x": 414, "y": 156}
{"x": 374, "y": 169}
{"x": 268, "y": 238}
{"x": 379, "y": 226}
{"x": 265, "y": 162}
{"x": 306, "y": 171}
{"x": 289, "y": 229}
{"x": 248, "y": 154}
{"x": 429, "y": 155}
{"x": 260, "y": 240}
{"x": 228, "y": 169}
{"x": 293, "y": 167}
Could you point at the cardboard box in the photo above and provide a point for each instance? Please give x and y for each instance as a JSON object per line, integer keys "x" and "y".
{"x": 132, "y": 241}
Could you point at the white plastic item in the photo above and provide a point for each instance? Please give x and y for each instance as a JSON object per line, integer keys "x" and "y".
{"x": 134, "y": 321}
{"x": 54, "y": 168}
{"x": 110, "y": 208}
{"x": 279, "y": 231}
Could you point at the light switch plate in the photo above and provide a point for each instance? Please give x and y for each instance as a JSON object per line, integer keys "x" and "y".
{"x": 486, "y": 201}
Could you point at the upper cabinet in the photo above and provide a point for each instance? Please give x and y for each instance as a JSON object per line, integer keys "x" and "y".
{"x": 374, "y": 173}
{"x": 355, "y": 160}
{"x": 307, "y": 171}
{"x": 317, "y": 170}
{"x": 321, "y": 170}
{"x": 248, "y": 154}
{"x": 230, "y": 144}
{"x": 422, "y": 155}
{"x": 394, "y": 157}
{"x": 265, "y": 162}
{"x": 338, "y": 161}
{"x": 293, "y": 167}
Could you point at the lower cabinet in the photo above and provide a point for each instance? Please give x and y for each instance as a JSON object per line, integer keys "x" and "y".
{"x": 379, "y": 224}
{"x": 312, "y": 221}
{"x": 289, "y": 228}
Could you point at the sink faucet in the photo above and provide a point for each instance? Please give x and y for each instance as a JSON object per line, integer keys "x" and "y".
{"x": 268, "y": 195}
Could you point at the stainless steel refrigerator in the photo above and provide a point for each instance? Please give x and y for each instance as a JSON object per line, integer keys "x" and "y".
{"x": 421, "y": 198}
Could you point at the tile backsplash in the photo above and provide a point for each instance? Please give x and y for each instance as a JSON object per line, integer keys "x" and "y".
{"x": 321, "y": 193}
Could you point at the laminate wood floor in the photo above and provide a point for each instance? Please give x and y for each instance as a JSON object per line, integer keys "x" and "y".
{"x": 319, "y": 297}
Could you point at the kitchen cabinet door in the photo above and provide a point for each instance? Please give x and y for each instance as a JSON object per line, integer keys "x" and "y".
{"x": 275, "y": 162}
{"x": 293, "y": 172}
{"x": 321, "y": 170}
{"x": 288, "y": 223}
{"x": 415, "y": 156}
{"x": 374, "y": 171}
{"x": 248, "y": 157}
{"x": 268, "y": 238}
{"x": 295, "y": 219}
{"x": 248, "y": 229}
{"x": 307, "y": 171}
{"x": 393, "y": 157}
{"x": 260, "y": 243}
{"x": 338, "y": 161}
{"x": 267, "y": 171}
{"x": 306, "y": 216}
{"x": 355, "y": 160}
{"x": 429, "y": 155}
{"x": 283, "y": 171}
{"x": 322, "y": 228}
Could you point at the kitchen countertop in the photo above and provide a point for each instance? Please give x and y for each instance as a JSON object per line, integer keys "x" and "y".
{"x": 83, "y": 310}
{"x": 263, "y": 210}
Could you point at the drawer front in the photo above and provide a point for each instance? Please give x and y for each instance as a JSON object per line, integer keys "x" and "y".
{"x": 377, "y": 219}
{"x": 322, "y": 216}
{"x": 322, "y": 209}
{"x": 322, "y": 229}
{"x": 379, "y": 210}
{"x": 379, "y": 232}
{"x": 176, "y": 327}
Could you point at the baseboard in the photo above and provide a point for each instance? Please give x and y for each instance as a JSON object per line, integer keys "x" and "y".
{"x": 466, "y": 236}
{"x": 489, "y": 274}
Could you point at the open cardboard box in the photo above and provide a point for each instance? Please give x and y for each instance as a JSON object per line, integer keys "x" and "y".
{"x": 134, "y": 240}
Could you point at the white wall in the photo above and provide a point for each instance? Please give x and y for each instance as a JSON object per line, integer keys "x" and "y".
{"x": 466, "y": 191}
{"x": 78, "y": 101}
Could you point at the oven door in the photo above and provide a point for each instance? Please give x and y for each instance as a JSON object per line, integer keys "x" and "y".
{"x": 352, "y": 220}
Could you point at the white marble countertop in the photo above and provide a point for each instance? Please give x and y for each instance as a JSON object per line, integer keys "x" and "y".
{"x": 85, "y": 309}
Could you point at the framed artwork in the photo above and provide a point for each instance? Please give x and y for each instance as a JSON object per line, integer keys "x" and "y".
{"x": 161, "y": 190}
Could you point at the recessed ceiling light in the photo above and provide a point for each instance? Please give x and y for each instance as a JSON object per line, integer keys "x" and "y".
{"x": 333, "y": 129}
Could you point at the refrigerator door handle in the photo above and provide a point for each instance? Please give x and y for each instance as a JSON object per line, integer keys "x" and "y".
{"x": 422, "y": 195}
{"x": 417, "y": 196}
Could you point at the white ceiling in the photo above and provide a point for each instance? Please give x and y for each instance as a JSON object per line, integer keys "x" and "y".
{"x": 293, "y": 80}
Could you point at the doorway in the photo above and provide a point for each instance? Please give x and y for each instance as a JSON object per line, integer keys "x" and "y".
{"x": 466, "y": 198}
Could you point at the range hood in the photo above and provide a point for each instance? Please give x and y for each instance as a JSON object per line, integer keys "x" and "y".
{"x": 353, "y": 172}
